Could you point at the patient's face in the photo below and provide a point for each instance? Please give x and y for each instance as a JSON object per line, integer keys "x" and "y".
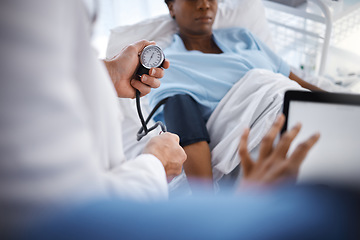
{"x": 194, "y": 17}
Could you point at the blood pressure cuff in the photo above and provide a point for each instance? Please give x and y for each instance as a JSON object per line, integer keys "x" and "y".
{"x": 182, "y": 115}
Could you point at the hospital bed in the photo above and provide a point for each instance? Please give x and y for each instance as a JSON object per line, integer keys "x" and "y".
{"x": 248, "y": 14}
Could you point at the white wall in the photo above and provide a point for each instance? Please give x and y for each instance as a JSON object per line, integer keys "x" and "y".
{"x": 112, "y": 13}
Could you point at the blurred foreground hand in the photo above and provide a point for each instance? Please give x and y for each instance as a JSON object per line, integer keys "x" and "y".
{"x": 273, "y": 165}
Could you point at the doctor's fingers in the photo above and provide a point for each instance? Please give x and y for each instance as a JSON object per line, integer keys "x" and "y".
{"x": 246, "y": 161}
{"x": 170, "y": 137}
{"x": 152, "y": 82}
{"x": 267, "y": 142}
{"x": 152, "y": 79}
{"x": 177, "y": 156}
{"x": 301, "y": 151}
{"x": 157, "y": 72}
{"x": 139, "y": 45}
{"x": 144, "y": 89}
{"x": 166, "y": 64}
{"x": 174, "y": 167}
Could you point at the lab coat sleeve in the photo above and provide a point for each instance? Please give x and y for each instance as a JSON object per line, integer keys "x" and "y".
{"x": 48, "y": 153}
{"x": 143, "y": 178}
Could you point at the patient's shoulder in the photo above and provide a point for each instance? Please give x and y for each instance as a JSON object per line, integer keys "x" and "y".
{"x": 233, "y": 35}
{"x": 236, "y": 32}
{"x": 176, "y": 45}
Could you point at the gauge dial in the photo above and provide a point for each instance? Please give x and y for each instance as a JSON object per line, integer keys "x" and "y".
{"x": 152, "y": 56}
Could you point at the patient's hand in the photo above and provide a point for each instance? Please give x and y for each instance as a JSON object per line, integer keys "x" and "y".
{"x": 273, "y": 164}
{"x": 122, "y": 71}
{"x": 167, "y": 149}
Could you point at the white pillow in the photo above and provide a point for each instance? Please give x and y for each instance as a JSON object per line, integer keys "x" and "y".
{"x": 249, "y": 14}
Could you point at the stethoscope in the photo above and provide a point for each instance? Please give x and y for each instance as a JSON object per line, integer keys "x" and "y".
{"x": 151, "y": 56}
{"x": 143, "y": 131}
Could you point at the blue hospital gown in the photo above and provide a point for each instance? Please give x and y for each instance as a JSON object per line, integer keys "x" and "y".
{"x": 208, "y": 77}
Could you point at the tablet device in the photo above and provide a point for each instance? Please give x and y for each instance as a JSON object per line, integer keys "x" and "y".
{"x": 336, "y": 116}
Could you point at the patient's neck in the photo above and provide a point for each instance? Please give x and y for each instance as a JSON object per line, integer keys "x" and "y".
{"x": 203, "y": 43}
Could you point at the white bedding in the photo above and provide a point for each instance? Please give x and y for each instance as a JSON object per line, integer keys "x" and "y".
{"x": 254, "y": 101}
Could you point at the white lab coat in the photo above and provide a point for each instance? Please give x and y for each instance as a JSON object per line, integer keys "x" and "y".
{"x": 60, "y": 131}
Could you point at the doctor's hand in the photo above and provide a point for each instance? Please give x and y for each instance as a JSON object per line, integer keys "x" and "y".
{"x": 167, "y": 149}
{"x": 273, "y": 165}
{"x": 122, "y": 70}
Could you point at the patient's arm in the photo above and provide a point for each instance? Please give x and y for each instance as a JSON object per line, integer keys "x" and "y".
{"x": 273, "y": 164}
{"x": 303, "y": 83}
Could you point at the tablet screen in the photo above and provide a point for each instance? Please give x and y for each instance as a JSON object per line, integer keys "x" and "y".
{"x": 336, "y": 156}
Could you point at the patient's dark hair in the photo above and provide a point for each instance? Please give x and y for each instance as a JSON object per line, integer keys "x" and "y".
{"x": 167, "y": 1}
